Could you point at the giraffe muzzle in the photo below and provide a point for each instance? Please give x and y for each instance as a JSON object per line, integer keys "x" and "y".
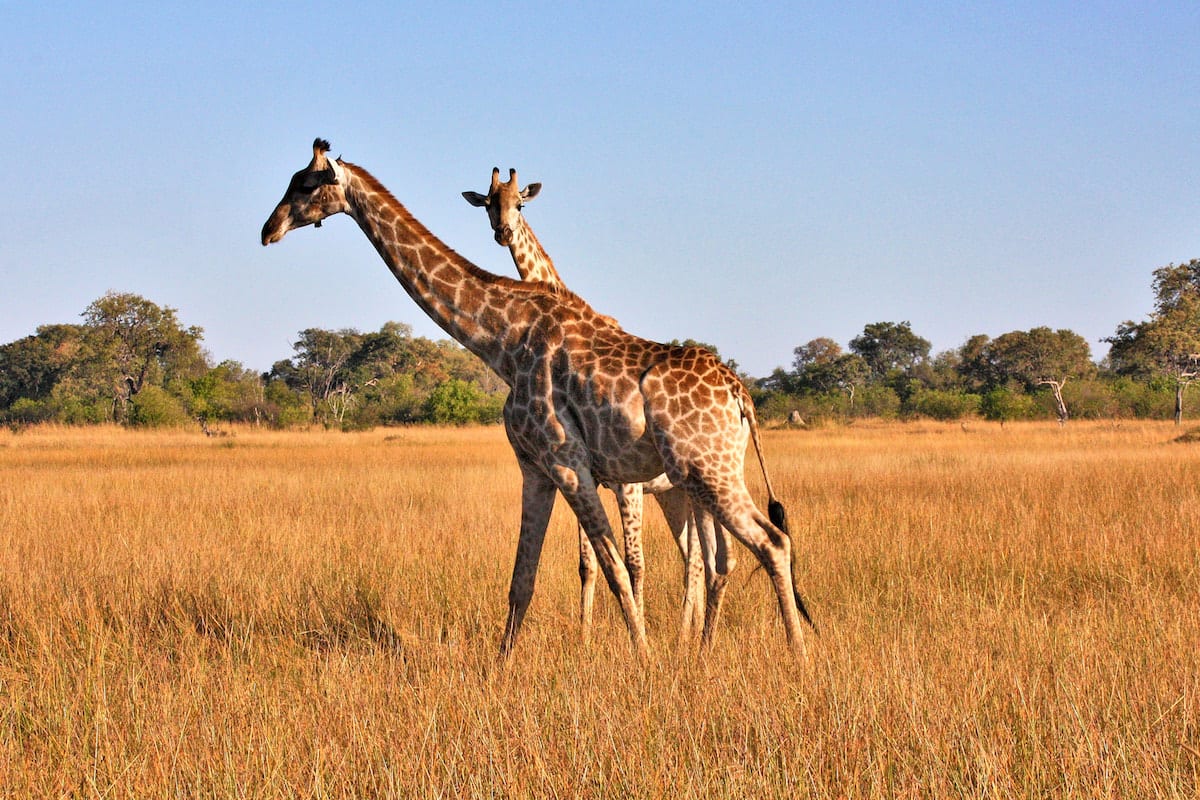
{"x": 504, "y": 236}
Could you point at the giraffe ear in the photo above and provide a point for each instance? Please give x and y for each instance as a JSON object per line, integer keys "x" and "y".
{"x": 476, "y": 199}
{"x": 318, "y": 178}
{"x": 530, "y": 191}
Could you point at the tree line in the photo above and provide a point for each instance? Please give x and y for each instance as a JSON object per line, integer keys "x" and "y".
{"x": 1035, "y": 374}
{"x": 132, "y": 362}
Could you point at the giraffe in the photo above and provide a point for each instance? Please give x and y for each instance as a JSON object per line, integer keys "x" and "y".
{"x": 588, "y": 402}
{"x": 503, "y": 203}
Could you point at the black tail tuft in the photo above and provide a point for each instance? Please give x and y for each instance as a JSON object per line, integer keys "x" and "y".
{"x": 778, "y": 518}
{"x": 804, "y": 611}
{"x": 778, "y": 515}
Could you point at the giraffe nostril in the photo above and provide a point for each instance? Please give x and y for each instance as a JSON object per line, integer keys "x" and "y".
{"x": 504, "y": 235}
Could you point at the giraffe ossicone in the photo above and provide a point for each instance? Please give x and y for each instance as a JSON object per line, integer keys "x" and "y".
{"x": 588, "y": 402}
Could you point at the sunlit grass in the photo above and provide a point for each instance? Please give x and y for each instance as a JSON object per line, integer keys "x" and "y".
{"x": 1004, "y": 612}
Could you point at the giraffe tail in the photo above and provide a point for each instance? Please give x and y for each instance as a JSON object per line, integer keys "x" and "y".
{"x": 778, "y": 517}
{"x": 775, "y": 510}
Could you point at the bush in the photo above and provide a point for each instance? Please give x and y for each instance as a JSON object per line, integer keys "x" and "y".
{"x": 30, "y": 412}
{"x": 1090, "y": 399}
{"x": 285, "y": 408}
{"x": 153, "y": 407}
{"x": 1153, "y": 400}
{"x": 815, "y": 409}
{"x": 395, "y": 399}
{"x": 1007, "y": 405}
{"x": 942, "y": 405}
{"x": 459, "y": 402}
{"x": 876, "y": 401}
{"x": 80, "y": 407}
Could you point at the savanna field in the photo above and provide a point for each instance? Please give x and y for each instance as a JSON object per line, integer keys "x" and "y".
{"x": 1003, "y": 612}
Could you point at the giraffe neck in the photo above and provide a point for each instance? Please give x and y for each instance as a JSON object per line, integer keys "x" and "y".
{"x": 534, "y": 264}
{"x": 531, "y": 259}
{"x": 475, "y": 307}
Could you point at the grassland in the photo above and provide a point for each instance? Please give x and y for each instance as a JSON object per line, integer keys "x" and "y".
{"x": 1004, "y": 613}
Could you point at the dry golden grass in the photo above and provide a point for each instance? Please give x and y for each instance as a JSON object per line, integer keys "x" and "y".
{"x": 1004, "y": 613}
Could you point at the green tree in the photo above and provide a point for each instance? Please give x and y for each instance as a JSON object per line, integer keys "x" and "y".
{"x": 975, "y": 368}
{"x": 352, "y": 380}
{"x": 155, "y": 407}
{"x": 780, "y": 381}
{"x": 890, "y": 348}
{"x": 229, "y": 392}
{"x": 1042, "y": 357}
{"x": 821, "y": 367}
{"x": 30, "y": 367}
{"x": 1168, "y": 343}
{"x": 133, "y": 343}
{"x": 319, "y": 369}
{"x": 283, "y": 406}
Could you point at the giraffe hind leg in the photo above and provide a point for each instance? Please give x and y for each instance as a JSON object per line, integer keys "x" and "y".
{"x": 579, "y": 490}
{"x": 719, "y": 562}
{"x": 700, "y": 429}
{"x": 630, "y": 504}
{"x": 587, "y": 584}
{"x": 677, "y": 510}
{"x": 772, "y": 547}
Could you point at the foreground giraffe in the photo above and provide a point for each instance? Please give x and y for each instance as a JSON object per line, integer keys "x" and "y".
{"x": 589, "y": 403}
{"x": 503, "y": 203}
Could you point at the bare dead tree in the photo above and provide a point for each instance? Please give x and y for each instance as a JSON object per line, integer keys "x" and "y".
{"x": 1056, "y": 386}
{"x": 1185, "y": 370}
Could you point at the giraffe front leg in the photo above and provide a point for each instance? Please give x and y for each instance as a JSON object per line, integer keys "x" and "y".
{"x": 630, "y": 504}
{"x": 537, "y": 501}
{"x": 579, "y": 489}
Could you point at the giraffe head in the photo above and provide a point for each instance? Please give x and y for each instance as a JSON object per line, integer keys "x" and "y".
{"x": 503, "y": 203}
{"x": 315, "y": 193}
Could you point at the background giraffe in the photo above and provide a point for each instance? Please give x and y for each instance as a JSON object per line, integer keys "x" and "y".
{"x": 503, "y": 203}
{"x": 589, "y": 403}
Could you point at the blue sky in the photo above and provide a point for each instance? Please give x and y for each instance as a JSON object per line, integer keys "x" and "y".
{"x": 752, "y": 176}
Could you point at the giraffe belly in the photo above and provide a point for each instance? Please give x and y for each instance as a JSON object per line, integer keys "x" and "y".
{"x": 604, "y": 400}
{"x": 631, "y": 468}
{"x": 624, "y": 459}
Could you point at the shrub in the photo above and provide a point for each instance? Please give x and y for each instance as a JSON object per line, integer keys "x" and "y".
{"x": 153, "y": 407}
{"x": 1090, "y": 399}
{"x": 943, "y": 405}
{"x": 876, "y": 401}
{"x": 30, "y": 412}
{"x": 459, "y": 402}
{"x": 1006, "y": 405}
